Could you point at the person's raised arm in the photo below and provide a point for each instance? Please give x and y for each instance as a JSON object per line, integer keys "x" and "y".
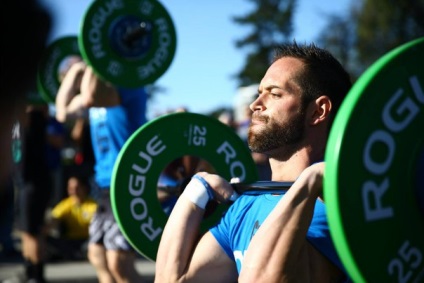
{"x": 279, "y": 251}
{"x": 80, "y": 89}
{"x": 97, "y": 92}
{"x": 68, "y": 101}
{"x": 181, "y": 257}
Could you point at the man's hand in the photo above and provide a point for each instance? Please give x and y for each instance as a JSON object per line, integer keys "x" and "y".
{"x": 313, "y": 176}
{"x": 222, "y": 189}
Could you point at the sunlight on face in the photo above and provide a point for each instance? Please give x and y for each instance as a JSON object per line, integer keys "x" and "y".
{"x": 276, "y": 134}
{"x": 279, "y": 116}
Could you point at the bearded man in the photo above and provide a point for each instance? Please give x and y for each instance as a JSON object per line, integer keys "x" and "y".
{"x": 268, "y": 237}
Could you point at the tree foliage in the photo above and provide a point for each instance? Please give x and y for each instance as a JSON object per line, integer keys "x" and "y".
{"x": 385, "y": 24}
{"x": 271, "y": 24}
{"x": 370, "y": 29}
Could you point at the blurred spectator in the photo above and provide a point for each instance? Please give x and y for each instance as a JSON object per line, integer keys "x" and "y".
{"x": 7, "y": 201}
{"x": 227, "y": 118}
{"x": 242, "y": 113}
{"x": 56, "y": 136}
{"x": 69, "y": 221}
{"x": 19, "y": 61}
{"x": 83, "y": 159}
{"x": 176, "y": 175}
{"x": 35, "y": 190}
{"x": 10, "y": 193}
{"x": 80, "y": 135}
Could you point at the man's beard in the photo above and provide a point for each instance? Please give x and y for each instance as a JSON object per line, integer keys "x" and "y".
{"x": 276, "y": 135}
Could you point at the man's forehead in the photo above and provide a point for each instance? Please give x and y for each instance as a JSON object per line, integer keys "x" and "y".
{"x": 281, "y": 72}
{"x": 286, "y": 65}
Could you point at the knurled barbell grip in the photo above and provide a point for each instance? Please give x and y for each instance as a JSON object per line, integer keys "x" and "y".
{"x": 261, "y": 187}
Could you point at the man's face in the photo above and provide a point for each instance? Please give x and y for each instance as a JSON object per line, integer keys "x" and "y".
{"x": 278, "y": 119}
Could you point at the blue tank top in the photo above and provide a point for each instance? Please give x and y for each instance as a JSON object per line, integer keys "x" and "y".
{"x": 236, "y": 229}
{"x": 111, "y": 127}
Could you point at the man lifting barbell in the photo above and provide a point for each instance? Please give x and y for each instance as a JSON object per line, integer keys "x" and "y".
{"x": 372, "y": 185}
{"x": 114, "y": 114}
{"x": 123, "y": 49}
{"x": 385, "y": 196}
{"x": 298, "y": 98}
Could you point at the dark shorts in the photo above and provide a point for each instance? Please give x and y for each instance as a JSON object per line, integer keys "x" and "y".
{"x": 104, "y": 230}
{"x": 33, "y": 202}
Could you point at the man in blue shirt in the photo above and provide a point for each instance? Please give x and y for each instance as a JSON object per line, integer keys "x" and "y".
{"x": 114, "y": 114}
{"x": 267, "y": 237}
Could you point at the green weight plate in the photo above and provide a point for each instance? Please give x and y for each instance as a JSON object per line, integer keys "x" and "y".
{"x": 371, "y": 165}
{"x": 149, "y": 150}
{"x": 50, "y": 65}
{"x": 128, "y": 43}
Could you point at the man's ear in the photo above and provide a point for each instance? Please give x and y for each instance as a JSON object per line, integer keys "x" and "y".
{"x": 320, "y": 110}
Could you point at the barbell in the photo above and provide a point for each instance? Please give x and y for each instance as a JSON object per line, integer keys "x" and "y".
{"x": 128, "y": 43}
{"x": 373, "y": 185}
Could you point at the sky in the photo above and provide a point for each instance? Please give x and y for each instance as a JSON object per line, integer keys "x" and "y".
{"x": 200, "y": 75}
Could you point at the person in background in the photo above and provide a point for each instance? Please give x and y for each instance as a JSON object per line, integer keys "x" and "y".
{"x": 56, "y": 136}
{"x": 34, "y": 188}
{"x": 114, "y": 113}
{"x": 7, "y": 219}
{"x": 227, "y": 118}
{"x": 80, "y": 135}
{"x": 268, "y": 237}
{"x": 70, "y": 220}
{"x": 18, "y": 68}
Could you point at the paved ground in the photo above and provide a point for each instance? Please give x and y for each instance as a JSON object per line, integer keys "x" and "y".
{"x": 11, "y": 271}
{"x": 59, "y": 270}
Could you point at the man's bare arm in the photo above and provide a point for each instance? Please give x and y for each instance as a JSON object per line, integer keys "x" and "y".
{"x": 96, "y": 92}
{"x": 81, "y": 89}
{"x": 68, "y": 101}
{"x": 181, "y": 258}
{"x": 279, "y": 249}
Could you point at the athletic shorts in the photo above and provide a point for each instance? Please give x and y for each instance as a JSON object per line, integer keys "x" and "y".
{"x": 104, "y": 230}
{"x": 33, "y": 202}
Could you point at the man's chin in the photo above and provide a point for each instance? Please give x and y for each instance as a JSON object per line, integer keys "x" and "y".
{"x": 255, "y": 131}
{"x": 253, "y": 146}
{"x": 255, "y": 128}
